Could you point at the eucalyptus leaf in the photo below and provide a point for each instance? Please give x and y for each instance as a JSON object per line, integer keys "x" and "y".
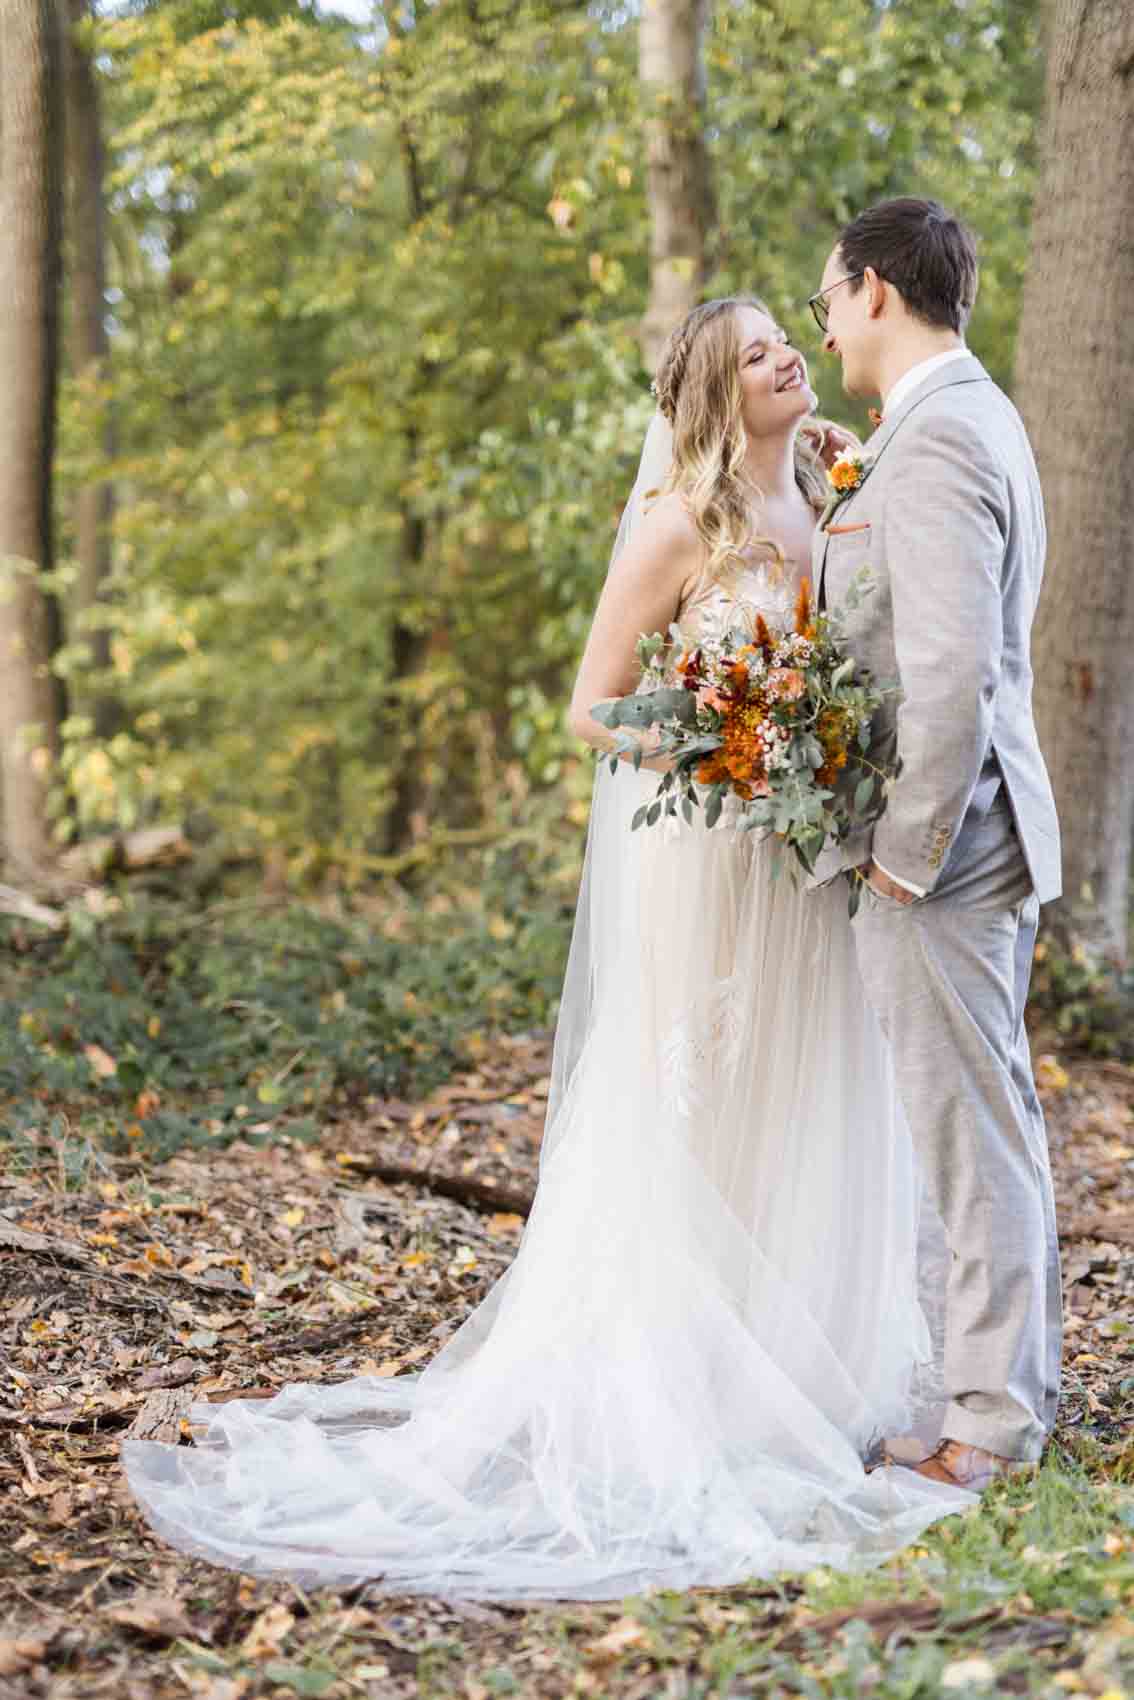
{"x": 692, "y": 753}
{"x": 647, "y": 708}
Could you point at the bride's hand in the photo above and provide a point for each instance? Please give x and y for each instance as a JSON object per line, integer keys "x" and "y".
{"x": 832, "y": 441}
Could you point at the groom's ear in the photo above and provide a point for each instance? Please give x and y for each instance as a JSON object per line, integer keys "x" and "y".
{"x": 876, "y": 288}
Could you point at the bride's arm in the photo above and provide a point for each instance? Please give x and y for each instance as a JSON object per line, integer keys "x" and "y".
{"x": 642, "y": 593}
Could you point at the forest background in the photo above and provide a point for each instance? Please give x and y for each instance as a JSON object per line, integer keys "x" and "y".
{"x": 326, "y": 375}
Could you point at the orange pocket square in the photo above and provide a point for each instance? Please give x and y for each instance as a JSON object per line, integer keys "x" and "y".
{"x": 841, "y": 530}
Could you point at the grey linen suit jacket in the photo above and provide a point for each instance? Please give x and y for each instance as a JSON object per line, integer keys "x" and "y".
{"x": 950, "y": 519}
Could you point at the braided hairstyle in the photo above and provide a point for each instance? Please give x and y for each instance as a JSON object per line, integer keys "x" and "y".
{"x": 698, "y": 390}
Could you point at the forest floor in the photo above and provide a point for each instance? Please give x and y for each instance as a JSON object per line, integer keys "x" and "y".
{"x": 133, "y": 1287}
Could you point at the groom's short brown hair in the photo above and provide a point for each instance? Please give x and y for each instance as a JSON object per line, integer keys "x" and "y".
{"x": 923, "y": 250}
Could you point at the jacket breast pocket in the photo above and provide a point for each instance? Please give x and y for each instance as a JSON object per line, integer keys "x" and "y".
{"x": 848, "y": 551}
{"x": 849, "y": 538}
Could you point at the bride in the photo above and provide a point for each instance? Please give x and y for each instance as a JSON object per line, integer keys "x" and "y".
{"x": 725, "y": 1293}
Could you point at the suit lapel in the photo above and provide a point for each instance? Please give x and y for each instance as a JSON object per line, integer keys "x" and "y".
{"x": 968, "y": 371}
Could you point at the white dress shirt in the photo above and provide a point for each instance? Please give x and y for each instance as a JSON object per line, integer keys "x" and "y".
{"x": 897, "y": 393}
{"x": 909, "y": 381}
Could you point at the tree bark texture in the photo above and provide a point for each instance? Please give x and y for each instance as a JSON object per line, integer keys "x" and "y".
{"x": 30, "y": 205}
{"x": 678, "y": 174}
{"x": 1075, "y": 388}
{"x": 86, "y": 219}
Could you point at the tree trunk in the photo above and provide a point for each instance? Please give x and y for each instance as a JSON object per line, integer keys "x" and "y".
{"x": 678, "y": 177}
{"x": 30, "y": 199}
{"x": 93, "y": 503}
{"x": 1075, "y": 388}
{"x": 404, "y": 821}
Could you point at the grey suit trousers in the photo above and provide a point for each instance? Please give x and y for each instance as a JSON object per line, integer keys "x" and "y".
{"x": 947, "y": 976}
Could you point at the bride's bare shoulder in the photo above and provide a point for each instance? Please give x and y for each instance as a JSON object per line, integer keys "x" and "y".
{"x": 668, "y": 516}
{"x": 664, "y": 556}
{"x": 664, "y": 540}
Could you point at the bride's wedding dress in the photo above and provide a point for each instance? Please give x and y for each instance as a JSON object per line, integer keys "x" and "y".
{"x": 723, "y": 1298}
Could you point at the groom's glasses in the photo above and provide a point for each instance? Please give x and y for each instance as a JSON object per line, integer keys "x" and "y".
{"x": 818, "y": 301}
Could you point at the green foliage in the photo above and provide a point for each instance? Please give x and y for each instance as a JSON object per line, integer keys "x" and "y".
{"x": 375, "y": 386}
{"x": 824, "y": 109}
{"x": 247, "y": 1018}
{"x": 1091, "y": 1003}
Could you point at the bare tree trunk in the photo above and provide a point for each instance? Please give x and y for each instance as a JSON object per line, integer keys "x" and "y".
{"x": 93, "y": 503}
{"x": 30, "y": 200}
{"x": 410, "y": 648}
{"x": 1075, "y": 388}
{"x": 678, "y": 177}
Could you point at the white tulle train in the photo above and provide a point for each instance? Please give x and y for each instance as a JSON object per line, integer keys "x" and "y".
{"x": 723, "y": 1298}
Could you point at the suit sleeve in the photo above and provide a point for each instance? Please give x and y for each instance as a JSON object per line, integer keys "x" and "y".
{"x": 944, "y": 528}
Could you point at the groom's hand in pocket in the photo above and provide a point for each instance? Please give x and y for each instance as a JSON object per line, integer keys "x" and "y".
{"x": 884, "y": 885}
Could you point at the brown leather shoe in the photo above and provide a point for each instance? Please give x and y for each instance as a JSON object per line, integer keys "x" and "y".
{"x": 965, "y": 1466}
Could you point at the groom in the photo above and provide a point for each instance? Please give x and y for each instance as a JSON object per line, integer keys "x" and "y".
{"x": 949, "y": 517}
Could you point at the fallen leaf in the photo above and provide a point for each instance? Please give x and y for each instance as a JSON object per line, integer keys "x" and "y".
{"x": 1051, "y": 1074}
{"x": 505, "y": 1222}
{"x": 102, "y": 1063}
{"x": 268, "y": 1633}
{"x": 175, "y": 1374}
{"x": 621, "y": 1636}
{"x": 19, "y": 1655}
{"x": 159, "y": 1615}
{"x": 62, "y": 1508}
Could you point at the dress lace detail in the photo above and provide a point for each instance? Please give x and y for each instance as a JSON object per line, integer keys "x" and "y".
{"x": 703, "y": 1049}
{"x": 717, "y": 605}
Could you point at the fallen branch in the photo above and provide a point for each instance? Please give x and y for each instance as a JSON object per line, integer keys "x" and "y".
{"x": 444, "y": 838}
{"x": 13, "y": 902}
{"x": 466, "y": 1189}
{"x": 160, "y": 1416}
{"x": 151, "y": 846}
{"x": 320, "y": 1339}
{"x": 19, "y": 1239}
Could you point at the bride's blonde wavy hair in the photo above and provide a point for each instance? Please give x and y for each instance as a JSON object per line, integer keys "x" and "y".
{"x": 698, "y": 389}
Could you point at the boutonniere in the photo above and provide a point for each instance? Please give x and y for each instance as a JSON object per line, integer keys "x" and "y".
{"x": 845, "y": 475}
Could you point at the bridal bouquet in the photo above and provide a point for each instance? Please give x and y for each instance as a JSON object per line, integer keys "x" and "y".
{"x": 780, "y": 720}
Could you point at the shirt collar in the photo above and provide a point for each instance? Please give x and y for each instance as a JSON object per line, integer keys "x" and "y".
{"x": 909, "y": 381}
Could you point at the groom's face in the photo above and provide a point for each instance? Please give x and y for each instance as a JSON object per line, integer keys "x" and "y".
{"x": 852, "y": 331}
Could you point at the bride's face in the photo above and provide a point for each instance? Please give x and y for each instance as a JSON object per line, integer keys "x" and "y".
{"x": 773, "y": 376}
